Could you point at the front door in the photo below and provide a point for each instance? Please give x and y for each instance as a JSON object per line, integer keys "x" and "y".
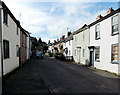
{"x": 91, "y": 49}
{"x": 91, "y": 58}
{"x": 78, "y": 55}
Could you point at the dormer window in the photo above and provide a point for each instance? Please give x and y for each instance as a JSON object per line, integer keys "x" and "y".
{"x": 115, "y": 25}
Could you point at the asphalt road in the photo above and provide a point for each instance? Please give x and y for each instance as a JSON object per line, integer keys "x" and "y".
{"x": 53, "y": 76}
{"x": 66, "y": 77}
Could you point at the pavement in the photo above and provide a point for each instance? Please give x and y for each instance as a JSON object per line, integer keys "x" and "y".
{"x": 52, "y": 76}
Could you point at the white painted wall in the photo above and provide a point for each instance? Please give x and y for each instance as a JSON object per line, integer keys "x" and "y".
{"x": 83, "y": 42}
{"x": 10, "y": 34}
{"x": 0, "y": 49}
{"x": 105, "y": 42}
{"x": 69, "y": 46}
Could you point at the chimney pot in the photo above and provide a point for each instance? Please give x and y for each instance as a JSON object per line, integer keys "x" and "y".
{"x": 110, "y": 10}
{"x": 69, "y": 33}
{"x": 98, "y": 17}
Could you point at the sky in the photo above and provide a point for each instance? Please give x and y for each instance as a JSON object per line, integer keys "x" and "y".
{"x": 50, "y": 19}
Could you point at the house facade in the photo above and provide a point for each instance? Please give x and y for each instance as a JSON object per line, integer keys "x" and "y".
{"x": 67, "y": 46}
{"x": 80, "y": 45}
{"x": 29, "y": 44}
{"x": 9, "y": 59}
{"x": 23, "y": 46}
{"x": 104, "y": 46}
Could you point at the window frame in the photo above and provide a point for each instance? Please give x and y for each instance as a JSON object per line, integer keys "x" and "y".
{"x": 83, "y": 52}
{"x": 114, "y": 62}
{"x": 114, "y": 32}
{"x": 5, "y": 17}
{"x": 69, "y": 43}
{"x": 6, "y": 49}
{"x": 75, "y": 52}
{"x": 17, "y": 51}
{"x": 97, "y": 59}
{"x": 96, "y": 31}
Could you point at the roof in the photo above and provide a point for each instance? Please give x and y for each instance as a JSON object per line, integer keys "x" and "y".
{"x": 9, "y": 12}
{"x": 69, "y": 38}
{"x": 84, "y": 27}
{"x": 105, "y": 17}
{"x": 12, "y": 16}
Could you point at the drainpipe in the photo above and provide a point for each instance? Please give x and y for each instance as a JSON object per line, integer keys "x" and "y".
{"x": 1, "y": 44}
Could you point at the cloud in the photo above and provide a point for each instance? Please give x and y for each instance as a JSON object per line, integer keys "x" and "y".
{"x": 51, "y": 22}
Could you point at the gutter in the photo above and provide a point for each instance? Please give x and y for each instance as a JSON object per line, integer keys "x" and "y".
{"x": 1, "y": 44}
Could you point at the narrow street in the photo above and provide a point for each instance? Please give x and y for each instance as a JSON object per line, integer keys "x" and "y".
{"x": 49, "y": 75}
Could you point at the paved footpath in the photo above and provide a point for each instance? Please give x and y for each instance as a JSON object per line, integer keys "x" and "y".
{"x": 25, "y": 81}
{"x": 50, "y": 75}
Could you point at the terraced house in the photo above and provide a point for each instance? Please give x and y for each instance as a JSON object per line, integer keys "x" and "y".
{"x": 80, "y": 45}
{"x": 104, "y": 44}
{"x": 15, "y": 43}
{"x": 67, "y": 46}
{"x": 10, "y": 40}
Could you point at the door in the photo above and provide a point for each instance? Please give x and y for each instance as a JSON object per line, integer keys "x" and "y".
{"x": 91, "y": 58}
{"x": 78, "y": 55}
{"x": 91, "y": 49}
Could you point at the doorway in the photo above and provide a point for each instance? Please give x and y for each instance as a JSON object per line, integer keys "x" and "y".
{"x": 78, "y": 54}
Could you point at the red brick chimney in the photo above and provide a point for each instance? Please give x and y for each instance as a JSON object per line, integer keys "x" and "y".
{"x": 54, "y": 41}
{"x": 68, "y": 34}
{"x": 98, "y": 17}
{"x": 63, "y": 37}
{"x": 110, "y": 10}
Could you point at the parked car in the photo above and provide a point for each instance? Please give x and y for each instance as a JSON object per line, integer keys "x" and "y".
{"x": 39, "y": 54}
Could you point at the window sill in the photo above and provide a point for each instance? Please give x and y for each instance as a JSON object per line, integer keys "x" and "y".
{"x": 6, "y": 58}
{"x": 114, "y": 34}
{"x": 114, "y": 62}
{"x": 97, "y": 60}
{"x": 97, "y": 38}
{"x": 5, "y": 24}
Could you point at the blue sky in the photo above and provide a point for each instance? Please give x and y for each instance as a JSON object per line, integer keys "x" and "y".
{"x": 49, "y": 20}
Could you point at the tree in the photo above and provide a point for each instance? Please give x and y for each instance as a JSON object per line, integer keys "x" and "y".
{"x": 40, "y": 41}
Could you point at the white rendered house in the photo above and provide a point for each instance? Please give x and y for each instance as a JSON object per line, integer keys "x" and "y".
{"x": 80, "y": 45}
{"x": 104, "y": 42}
{"x": 10, "y": 40}
{"x": 67, "y": 46}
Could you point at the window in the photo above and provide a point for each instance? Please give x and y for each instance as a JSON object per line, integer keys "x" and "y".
{"x": 75, "y": 38}
{"x": 97, "y": 31}
{"x": 17, "y": 30}
{"x": 83, "y": 52}
{"x": 114, "y": 53}
{"x": 5, "y": 17}
{"x": 97, "y": 53}
{"x": 69, "y": 43}
{"x": 115, "y": 25}
{"x": 17, "y": 50}
{"x": 6, "y": 49}
{"x": 69, "y": 52}
{"x": 83, "y": 37}
{"x": 75, "y": 52}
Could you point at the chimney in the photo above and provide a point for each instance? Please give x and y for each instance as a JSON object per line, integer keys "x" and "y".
{"x": 68, "y": 34}
{"x": 98, "y": 17}
{"x": 110, "y": 10}
{"x": 63, "y": 37}
{"x": 54, "y": 41}
{"x": 57, "y": 40}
